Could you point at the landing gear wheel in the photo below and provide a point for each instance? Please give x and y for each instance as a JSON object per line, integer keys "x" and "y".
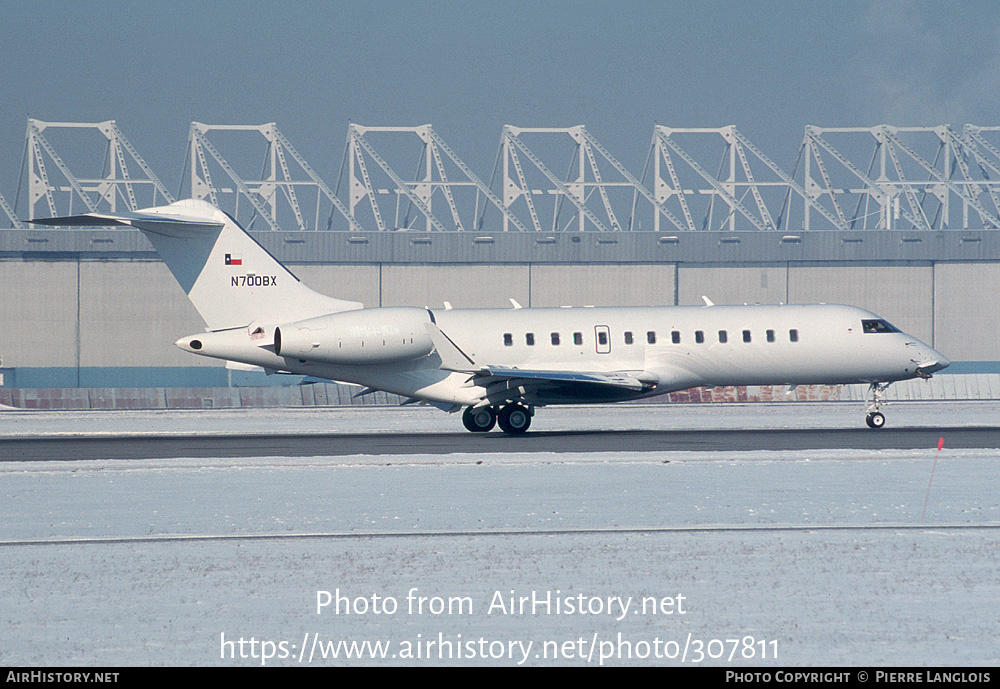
{"x": 874, "y": 399}
{"x": 875, "y": 419}
{"x": 514, "y": 419}
{"x": 479, "y": 420}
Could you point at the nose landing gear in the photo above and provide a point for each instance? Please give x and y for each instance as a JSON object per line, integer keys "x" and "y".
{"x": 875, "y": 418}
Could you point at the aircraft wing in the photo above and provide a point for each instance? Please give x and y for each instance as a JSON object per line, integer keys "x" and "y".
{"x": 503, "y": 384}
{"x": 617, "y": 379}
{"x": 511, "y": 383}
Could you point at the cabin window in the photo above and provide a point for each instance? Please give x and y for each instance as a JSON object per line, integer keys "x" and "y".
{"x": 578, "y": 338}
{"x": 793, "y": 335}
{"x": 723, "y": 337}
{"x": 651, "y": 337}
{"x": 602, "y": 337}
{"x": 628, "y": 337}
{"x": 746, "y": 335}
{"x": 877, "y": 325}
{"x": 675, "y": 337}
{"x": 508, "y": 340}
{"x": 770, "y": 335}
{"x": 555, "y": 338}
{"x": 529, "y": 339}
{"x": 699, "y": 336}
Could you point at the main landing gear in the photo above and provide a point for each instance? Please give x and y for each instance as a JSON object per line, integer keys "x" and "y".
{"x": 875, "y": 418}
{"x": 479, "y": 420}
{"x": 513, "y": 419}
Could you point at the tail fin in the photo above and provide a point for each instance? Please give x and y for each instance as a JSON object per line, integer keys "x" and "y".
{"x": 231, "y": 279}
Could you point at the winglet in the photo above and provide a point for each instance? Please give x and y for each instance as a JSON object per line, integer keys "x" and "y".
{"x": 452, "y": 358}
{"x": 708, "y": 302}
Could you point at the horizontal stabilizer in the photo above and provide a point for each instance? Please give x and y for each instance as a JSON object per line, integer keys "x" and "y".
{"x": 150, "y": 220}
{"x": 230, "y": 278}
{"x": 92, "y": 220}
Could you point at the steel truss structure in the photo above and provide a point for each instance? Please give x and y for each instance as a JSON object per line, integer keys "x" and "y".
{"x": 111, "y": 188}
{"x": 556, "y": 180}
{"x": 280, "y": 196}
{"x": 462, "y": 192}
{"x": 719, "y": 201}
{"x": 919, "y": 178}
{"x": 11, "y": 215}
{"x": 581, "y": 199}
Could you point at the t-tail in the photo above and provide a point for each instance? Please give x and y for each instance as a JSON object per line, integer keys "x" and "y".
{"x": 232, "y": 280}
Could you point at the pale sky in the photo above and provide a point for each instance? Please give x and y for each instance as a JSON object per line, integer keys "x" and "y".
{"x": 468, "y": 68}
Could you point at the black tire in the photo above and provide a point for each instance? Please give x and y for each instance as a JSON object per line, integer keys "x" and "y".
{"x": 480, "y": 420}
{"x": 514, "y": 419}
{"x": 875, "y": 419}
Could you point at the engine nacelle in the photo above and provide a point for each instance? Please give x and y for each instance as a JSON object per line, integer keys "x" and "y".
{"x": 366, "y": 336}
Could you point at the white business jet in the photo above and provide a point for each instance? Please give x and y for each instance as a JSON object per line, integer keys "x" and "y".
{"x": 499, "y": 365}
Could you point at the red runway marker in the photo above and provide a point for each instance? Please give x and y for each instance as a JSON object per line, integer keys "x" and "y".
{"x": 940, "y": 445}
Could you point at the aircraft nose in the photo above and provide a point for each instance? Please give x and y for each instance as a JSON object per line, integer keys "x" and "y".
{"x": 940, "y": 363}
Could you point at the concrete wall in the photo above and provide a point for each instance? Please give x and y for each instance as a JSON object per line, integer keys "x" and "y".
{"x": 741, "y": 284}
{"x": 131, "y": 313}
{"x": 477, "y": 286}
{"x": 38, "y": 313}
{"x": 493, "y": 286}
{"x": 902, "y": 294}
{"x": 602, "y": 285}
{"x": 967, "y": 310}
{"x": 351, "y": 282}
{"x": 94, "y": 320}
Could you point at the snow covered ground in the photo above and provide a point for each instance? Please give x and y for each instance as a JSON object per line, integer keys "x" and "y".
{"x": 749, "y": 559}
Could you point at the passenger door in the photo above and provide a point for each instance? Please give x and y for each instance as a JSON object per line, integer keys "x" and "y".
{"x": 603, "y": 338}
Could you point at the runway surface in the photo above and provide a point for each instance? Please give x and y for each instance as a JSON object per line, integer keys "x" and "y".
{"x": 219, "y": 525}
{"x": 342, "y": 444}
{"x": 387, "y": 432}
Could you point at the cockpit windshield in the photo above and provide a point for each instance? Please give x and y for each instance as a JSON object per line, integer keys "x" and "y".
{"x": 877, "y": 325}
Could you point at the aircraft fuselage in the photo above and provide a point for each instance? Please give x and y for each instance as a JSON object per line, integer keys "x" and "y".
{"x": 499, "y": 364}
{"x": 674, "y": 347}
